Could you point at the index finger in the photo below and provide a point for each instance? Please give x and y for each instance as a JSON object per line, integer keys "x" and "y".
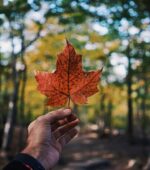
{"x": 56, "y": 115}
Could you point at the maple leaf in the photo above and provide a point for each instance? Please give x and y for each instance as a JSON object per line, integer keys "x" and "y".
{"x": 69, "y": 81}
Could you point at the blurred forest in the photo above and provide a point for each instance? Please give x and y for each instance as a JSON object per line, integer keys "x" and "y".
{"x": 114, "y": 35}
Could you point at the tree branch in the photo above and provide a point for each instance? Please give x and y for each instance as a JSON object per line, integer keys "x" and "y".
{"x": 30, "y": 43}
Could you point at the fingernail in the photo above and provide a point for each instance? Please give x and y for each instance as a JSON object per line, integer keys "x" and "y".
{"x": 77, "y": 120}
{"x": 67, "y": 110}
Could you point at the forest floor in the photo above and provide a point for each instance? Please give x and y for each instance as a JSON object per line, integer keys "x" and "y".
{"x": 88, "y": 152}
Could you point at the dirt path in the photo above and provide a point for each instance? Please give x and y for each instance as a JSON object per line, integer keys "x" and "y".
{"x": 87, "y": 152}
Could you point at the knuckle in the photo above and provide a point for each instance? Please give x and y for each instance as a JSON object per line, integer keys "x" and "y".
{"x": 56, "y": 112}
{"x": 53, "y": 113}
{"x": 40, "y": 119}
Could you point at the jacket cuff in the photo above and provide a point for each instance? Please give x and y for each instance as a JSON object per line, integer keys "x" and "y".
{"x": 29, "y": 161}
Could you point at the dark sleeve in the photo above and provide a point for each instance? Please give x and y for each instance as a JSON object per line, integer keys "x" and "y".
{"x": 24, "y": 162}
{"x": 16, "y": 165}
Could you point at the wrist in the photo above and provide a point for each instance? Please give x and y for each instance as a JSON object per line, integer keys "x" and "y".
{"x": 36, "y": 153}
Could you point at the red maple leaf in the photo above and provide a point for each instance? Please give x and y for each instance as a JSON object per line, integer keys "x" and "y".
{"x": 69, "y": 81}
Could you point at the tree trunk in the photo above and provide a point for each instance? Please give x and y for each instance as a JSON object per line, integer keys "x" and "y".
{"x": 1, "y": 70}
{"x": 12, "y": 112}
{"x": 22, "y": 105}
{"x": 143, "y": 121}
{"x": 101, "y": 120}
{"x": 143, "y": 103}
{"x": 109, "y": 115}
{"x": 138, "y": 115}
{"x": 12, "y": 108}
{"x": 12, "y": 105}
{"x": 130, "y": 103}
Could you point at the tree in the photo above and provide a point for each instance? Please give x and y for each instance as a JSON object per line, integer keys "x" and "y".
{"x": 14, "y": 14}
{"x": 120, "y": 17}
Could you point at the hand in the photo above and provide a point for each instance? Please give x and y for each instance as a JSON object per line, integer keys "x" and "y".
{"x": 48, "y": 134}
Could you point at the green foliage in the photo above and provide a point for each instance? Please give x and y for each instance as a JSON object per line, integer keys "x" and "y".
{"x": 76, "y": 18}
{"x": 75, "y": 21}
{"x": 119, "y": 122}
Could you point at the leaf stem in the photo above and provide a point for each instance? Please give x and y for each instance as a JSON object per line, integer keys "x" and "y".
{"x": 68, "y": 74}
{"x": 68, "y": 102}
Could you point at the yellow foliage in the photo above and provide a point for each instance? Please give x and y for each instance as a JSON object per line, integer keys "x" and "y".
{"x": 43, "y": 57}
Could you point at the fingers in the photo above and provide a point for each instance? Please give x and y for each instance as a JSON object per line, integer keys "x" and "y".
{"x": 67, "y": 137}
{"x": 71, "y": 117}
{"x": 56, "y": 119}
{"x": 62, "y": 141}
{"x": 65, "y": 129}
{"x": 57, "y": 115}
{"x": 60, "y": 123}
